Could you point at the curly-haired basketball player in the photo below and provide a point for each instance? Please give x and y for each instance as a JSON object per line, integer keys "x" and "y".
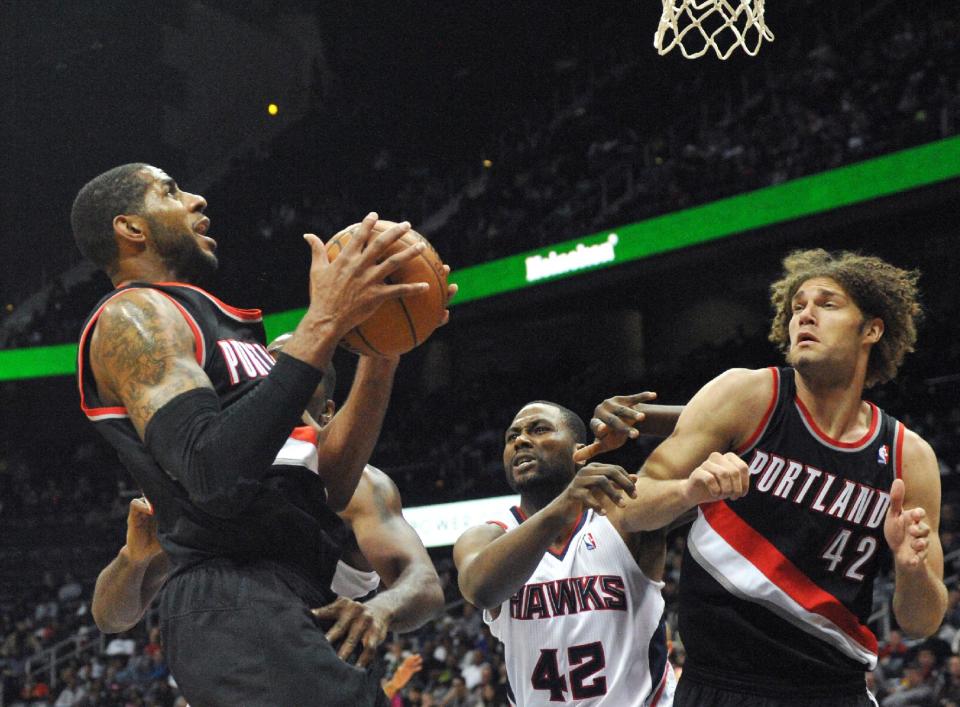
{"x": 777, "y": 580}
{"x": 182, "y": 386}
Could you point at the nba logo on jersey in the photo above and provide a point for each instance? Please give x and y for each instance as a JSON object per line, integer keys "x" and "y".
{"x": 883, "y": 454}
{"x": 590, "y": 541}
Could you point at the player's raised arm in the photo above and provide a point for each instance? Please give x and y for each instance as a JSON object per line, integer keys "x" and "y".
{"x": 394, "y": 550}
{"x": 695, "y": 463}
{"x": 493, "y": 564}
{"x": 912, "y": 531}
{"x": 624, "y": 417}
{"x": 349, "y": 438}
{"x": 143, "y": 353}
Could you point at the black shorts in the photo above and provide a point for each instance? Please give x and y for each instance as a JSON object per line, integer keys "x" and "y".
{"x": 695, "y": 694}
{"x": 241, "y": 636}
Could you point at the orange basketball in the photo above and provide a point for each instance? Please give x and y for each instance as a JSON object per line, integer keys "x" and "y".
{"x": 399, "y": 324}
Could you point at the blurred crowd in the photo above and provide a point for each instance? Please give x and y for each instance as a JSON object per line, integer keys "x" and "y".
{"x": 461, "y": 663}
{"x": 582, "y": 166}
{"x": 603, "y": 154}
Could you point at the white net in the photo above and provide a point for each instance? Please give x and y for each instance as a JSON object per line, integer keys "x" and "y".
{"x": 697, "y": 26}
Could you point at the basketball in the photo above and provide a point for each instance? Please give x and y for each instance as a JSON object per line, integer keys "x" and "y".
{"x": 399, "y": 325}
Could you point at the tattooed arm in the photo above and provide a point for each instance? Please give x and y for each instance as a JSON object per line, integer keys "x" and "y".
{"x": 142, "y": 354}
{"x": 392, "y": 548}
{"x": 143, "y": 358}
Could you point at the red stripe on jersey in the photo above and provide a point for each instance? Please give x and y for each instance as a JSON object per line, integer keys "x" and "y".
{"x": 199, "y": 349}
{"x": 874, "y": 422}
{"x": 94, "y": 412}
{"x": 777, "y": 568}
{"x": 246, "y": 315}
{"x": 497, "y": 522}
{"x": 898, "y": 451}
{"x": 663, "y": 684}
{"x": 766, "y": 416}
{"x": 304, "y": 433}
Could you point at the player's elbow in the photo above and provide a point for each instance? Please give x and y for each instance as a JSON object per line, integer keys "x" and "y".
{"x": 919, "y": 629}
{"x": 433, "y": 599}
{"x": 107, "y": 623}
{"x": 919, "y": 624}
{"x": 478, "y": 595}
{"x": 216, "y": 494}
{"x": 223, "y": 506}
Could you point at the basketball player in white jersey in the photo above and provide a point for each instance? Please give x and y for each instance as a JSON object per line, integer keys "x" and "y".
{"x": 575, "y": 600}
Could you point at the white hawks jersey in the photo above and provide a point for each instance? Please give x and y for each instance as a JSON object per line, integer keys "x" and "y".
{"x": 587, "y": 628}
{"x": 353, "y": 583}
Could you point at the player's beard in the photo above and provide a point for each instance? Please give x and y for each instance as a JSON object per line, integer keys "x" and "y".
{"x": 182, "y": 254}
{"x": 545, "y": 485}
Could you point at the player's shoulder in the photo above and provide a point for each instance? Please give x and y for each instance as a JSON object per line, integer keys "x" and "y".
{"x": 140, "y": 319}
{"x": 920, "y": 472}
{"x": 474, "y": 539}
{"x": 137, "y": 303}
{"x": 380, "y": 486}
{"x": 747, "y": 381}
{"x": 917, "y": 452}
{"x": 743, "y": 389}
{"x": 375, "y": 493}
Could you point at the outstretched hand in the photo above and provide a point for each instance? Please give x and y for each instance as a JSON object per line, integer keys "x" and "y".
{"x": 411, "y": 665}
{"x": 142, "y": 540}
{"x": 614, "y": 421}
{"x": 355, "y": 624}
{"x": 348, "y": 290}
{"x": 906, "y": 531}
{"x": 594, "y": 486}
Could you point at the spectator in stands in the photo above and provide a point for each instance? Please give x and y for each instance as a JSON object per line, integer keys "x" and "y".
{"x": 457, "y": 695}
{"x": 947, "y": 693}
{"x": 893, "y": 652}
{"x": 912, "y": 690}
{"x": 73, "y": 692}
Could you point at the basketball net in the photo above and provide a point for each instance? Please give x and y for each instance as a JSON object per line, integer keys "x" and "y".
{"x": 697, "y": 26}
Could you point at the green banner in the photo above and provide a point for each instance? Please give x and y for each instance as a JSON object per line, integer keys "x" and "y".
{"x": 806, "y": 196}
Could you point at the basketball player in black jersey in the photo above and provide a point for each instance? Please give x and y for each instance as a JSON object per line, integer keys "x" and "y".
{"x": 777, "y": 579}
{"x": 182, "y": 386}
{"x": 377, "y": 539}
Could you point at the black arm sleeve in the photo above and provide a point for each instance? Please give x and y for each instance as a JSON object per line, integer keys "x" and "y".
{"x": 218, "y": 455}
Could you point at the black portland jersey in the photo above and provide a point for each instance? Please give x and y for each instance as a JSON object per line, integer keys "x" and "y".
{"x": 288, "y": 521}
{"x": 777, "y": 586}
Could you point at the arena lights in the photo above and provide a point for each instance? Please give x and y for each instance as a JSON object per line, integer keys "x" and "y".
{"x": 806, "y": 196}
{"x": 273, "y": 108}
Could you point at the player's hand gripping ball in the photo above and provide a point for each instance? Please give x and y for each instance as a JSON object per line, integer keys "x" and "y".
{"x": 400, "y": 324}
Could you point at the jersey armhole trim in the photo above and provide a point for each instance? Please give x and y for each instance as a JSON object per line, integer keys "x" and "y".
{"x": 241, "y": 315}
{"x": 765, "y": 420}
{"x": 898, "y": 451}
{"x": 497, "y": 522}
{"x": 199, "y": 345}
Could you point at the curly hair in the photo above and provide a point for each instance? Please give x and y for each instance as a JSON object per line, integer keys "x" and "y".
{"x": 879, "y": 289}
